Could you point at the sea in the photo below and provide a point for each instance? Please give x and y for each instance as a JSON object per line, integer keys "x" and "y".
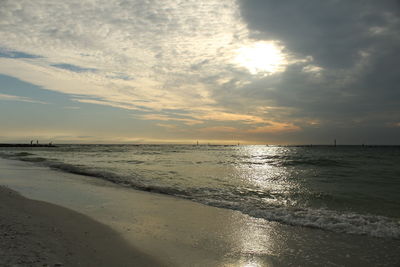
{"x": 343, "y": 189}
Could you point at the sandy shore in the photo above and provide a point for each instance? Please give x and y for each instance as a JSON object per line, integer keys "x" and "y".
{"x": 35, "y": 233}
{"x": 170, "y": 230}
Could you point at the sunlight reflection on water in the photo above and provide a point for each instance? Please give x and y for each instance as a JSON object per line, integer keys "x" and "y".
{"x": 262, "y": 169}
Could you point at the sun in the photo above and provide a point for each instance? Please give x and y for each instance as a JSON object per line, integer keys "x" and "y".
{"x": 264, "y": 57}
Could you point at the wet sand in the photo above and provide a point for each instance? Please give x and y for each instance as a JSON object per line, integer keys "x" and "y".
{"x": 35, "y": 233}
{"x": 178, "y": 232}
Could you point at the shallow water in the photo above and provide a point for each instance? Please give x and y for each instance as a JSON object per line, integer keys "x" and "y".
{"x": 344, "y": 189}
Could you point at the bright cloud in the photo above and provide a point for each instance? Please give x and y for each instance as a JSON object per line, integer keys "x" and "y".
{"x": 19, "y": 98}
{"x": 135, "y": 55}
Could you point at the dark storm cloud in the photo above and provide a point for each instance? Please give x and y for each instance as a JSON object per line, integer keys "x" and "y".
{"x": 333, "y": 32}
{"x": 356, "y": 44}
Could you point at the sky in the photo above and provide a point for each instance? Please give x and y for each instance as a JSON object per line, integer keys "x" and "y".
{"x": 216, "y": 71}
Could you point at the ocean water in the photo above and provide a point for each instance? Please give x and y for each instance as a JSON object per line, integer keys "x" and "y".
{"x": 346, "y": 189}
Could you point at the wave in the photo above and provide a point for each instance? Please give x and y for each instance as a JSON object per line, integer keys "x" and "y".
{"x": 346, "y": 222}
{"x": 242, "y": 200}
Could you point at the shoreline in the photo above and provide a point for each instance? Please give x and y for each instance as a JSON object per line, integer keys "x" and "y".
{"x": 36, "y": 233}
{"x": 179, "y": 232}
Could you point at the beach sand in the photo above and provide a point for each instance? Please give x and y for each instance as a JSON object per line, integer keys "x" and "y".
{"x": 35, "y": 233}
{"x": 171, "y": 231}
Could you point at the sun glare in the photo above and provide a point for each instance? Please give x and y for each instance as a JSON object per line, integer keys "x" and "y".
{"x": 259, "y": 57}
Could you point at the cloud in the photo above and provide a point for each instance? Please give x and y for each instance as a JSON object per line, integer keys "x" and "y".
{"x": 332, "y": 32}
{"x": 394, "y": 124}
{"x": 156, "y": 43}
{"x": 163, "y": 117}
{"x": 275, "y": 128}
{"x": 267, "y": 128}
{"x": 73, "y": 68}
{"x": 219, "y": 129}
{"x": 349, "y": 70}
{"x": 7, "y": 97}
{"x": 167, "y": 126}
{"x": 15, "y": 54}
